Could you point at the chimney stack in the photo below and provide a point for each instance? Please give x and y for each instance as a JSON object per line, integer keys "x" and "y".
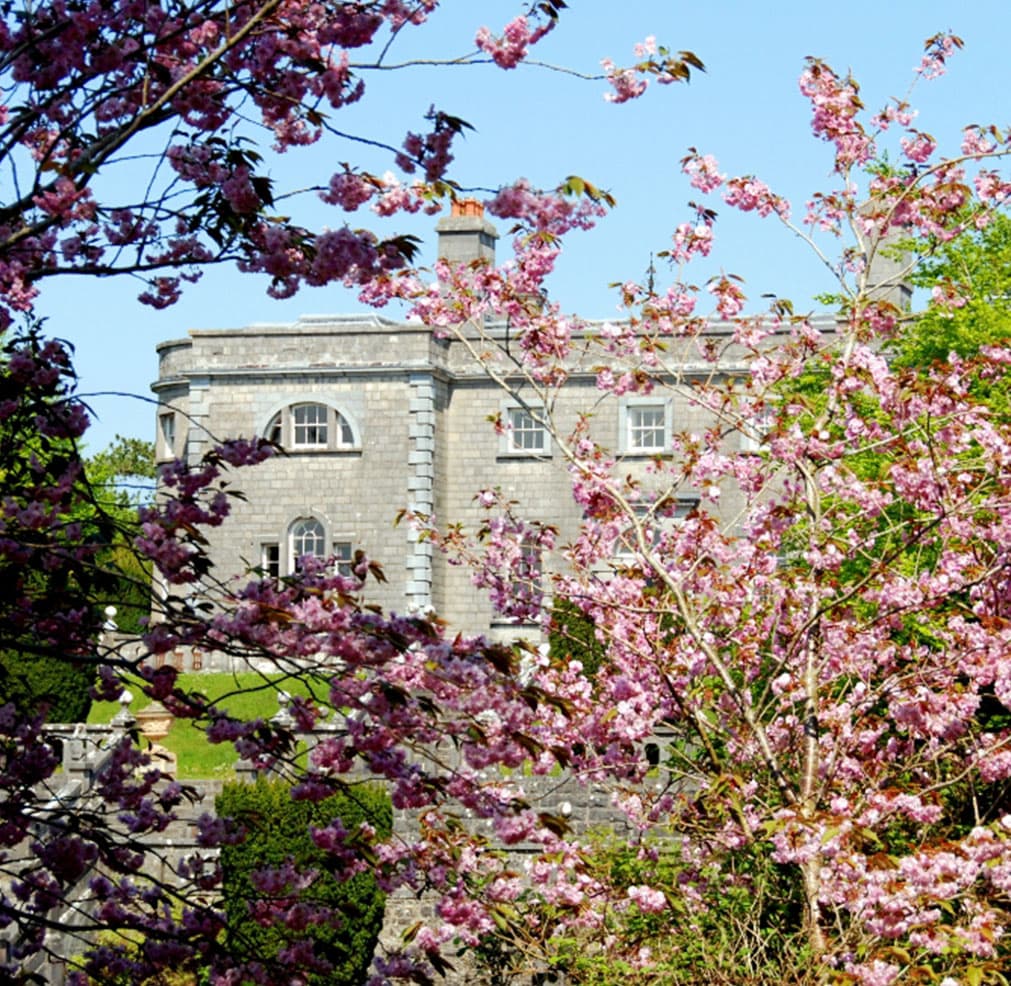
{"x": 886, "y": 275}
{"x": 465, "y": 235}
{"x": 887, "y": 272}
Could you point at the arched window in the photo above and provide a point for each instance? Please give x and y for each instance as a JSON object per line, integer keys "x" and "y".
{"x": 306, "y": 538}
{"x": 311, "y": 427}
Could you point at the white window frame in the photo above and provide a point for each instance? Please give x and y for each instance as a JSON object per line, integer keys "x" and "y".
{"x": 343, "y": 556}
{"x": 629, "y": 410}
{"x": 309, "y": 426}
{"x": 523, "y": 420}
{"x": 329, "y": 429}
{"x": 657, "y": 519}
{"x": 318, "y": 536}
{"x": 167, "y": 434}
{"x": 270, "y": 559}
{"x": 530, "y": 570}
{"x": 753, "y": 429}
{"x": 280, "y": 558}
{"x": 530, "y": 575}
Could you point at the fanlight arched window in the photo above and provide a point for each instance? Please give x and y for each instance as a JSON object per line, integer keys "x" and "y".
{"x": 306, "y": 538}
{"x": 311, "y": 427}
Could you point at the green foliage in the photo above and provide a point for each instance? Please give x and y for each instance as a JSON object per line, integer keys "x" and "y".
{"x": 123, "y": 467}
{"x": 47, "y": 585}
{"x": 56, "y": 687}
{"x": 121, "y": 479}
{"x": 277, "y": 831}
{"x": 741, "y": 925}
{"x": 133, "y": 942}
{"x": 977, "y": 269}
{"x": 573, "y": 637}
{"x": 744, "y": 928}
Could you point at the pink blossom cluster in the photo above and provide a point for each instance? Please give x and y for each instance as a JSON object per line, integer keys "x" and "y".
{"x": 350, "y": 190}
{"x": 749, "y": 194}
{"x": 898, "y": 112}
{"x": 977, "y": 143}
{"x": 545, "y": 212}
{"x": 918, "y": 147}
{"x": 702, "y": 171}
{"x": 828, "y": 210}
{"x": 729, "y": 296}
{"x": 937, "y": 51}
{"x": 204, "y": 72}
{"x": 431, "y": 151}
{"x": 836, "y": 104}
{"x": 692, "y": 239}
{"x": 626, "y": 82}
{"x": 510, "y": 48}
{"x": 657, "y": 62}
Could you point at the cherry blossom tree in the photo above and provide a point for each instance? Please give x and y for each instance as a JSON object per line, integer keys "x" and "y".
{"x": 821, "y": 639}
{"x": 823, "y": 633}
{"x": 133, "y": 135}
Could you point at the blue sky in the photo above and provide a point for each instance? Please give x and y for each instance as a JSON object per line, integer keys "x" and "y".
{"x": 544, "y": 125}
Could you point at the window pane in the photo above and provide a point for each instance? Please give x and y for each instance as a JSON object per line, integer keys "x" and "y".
{"x": 270, "y": 560}
{"x": 526, "y": 433}
{"x": 646, "y": 427}
{"x": 168, "y": 433}
{"x": 526, "y": 592}
{"x": 309, "y": 426}
{"x": 343, "y": 558}
{"x": 755, "y": 428}
{"x": 307, "y": 538}
{"x": 274, "y": 429}
{"x": 347, "y": 437}
{"x": 655, "y": 519}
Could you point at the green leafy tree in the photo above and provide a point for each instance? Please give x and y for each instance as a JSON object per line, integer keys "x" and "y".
{"x": 121, "y": 478}
{"x": 970, "y": 282}
{"x": 572, "y": 636}
{"x": 54, "y": 514}
{"x": 343, "y": 915}
{"x": 108, "y": 490}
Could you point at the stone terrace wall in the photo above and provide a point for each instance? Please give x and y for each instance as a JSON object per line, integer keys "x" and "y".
{"x": 587, "y": 808}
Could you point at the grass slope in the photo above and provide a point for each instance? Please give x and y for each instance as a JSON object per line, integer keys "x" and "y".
{"x": 246, "y": 696}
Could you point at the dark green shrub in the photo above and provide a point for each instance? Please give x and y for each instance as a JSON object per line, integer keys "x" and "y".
{"x": 572, "y": 637}
{"x": 278, "y": 830}
{"x": 58, "y": 687}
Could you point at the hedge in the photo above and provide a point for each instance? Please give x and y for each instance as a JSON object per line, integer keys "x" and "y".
{"x": 277, "y": 829}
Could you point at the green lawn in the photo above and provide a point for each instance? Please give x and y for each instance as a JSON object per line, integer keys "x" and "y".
{"x": 248, "y": 696}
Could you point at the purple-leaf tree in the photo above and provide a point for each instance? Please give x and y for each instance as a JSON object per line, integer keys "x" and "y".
{"x": 129, "y": 133}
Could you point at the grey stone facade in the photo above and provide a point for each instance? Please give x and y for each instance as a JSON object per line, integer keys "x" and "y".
{"x": 408, "y": 418}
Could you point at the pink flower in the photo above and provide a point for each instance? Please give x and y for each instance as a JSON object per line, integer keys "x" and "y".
{"x": 627, "y": 82}
{"x": 729, "y": 296}
{"x": 749, "y": 194}
{"x": 938, "y": 50}
{"x": 918, "y": 147}
{"x": 511, "y": 48}
{"x": 348, "y": 190}
{"x": 648, "y": 900}
{"x": 975, "y": 143}
{"x": 702, "y": 171}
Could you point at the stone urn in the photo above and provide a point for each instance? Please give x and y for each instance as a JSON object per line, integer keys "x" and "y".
{"x": 154, "y": 722}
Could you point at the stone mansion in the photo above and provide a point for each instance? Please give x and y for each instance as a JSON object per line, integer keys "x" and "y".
{"x": 376, "y": 416}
